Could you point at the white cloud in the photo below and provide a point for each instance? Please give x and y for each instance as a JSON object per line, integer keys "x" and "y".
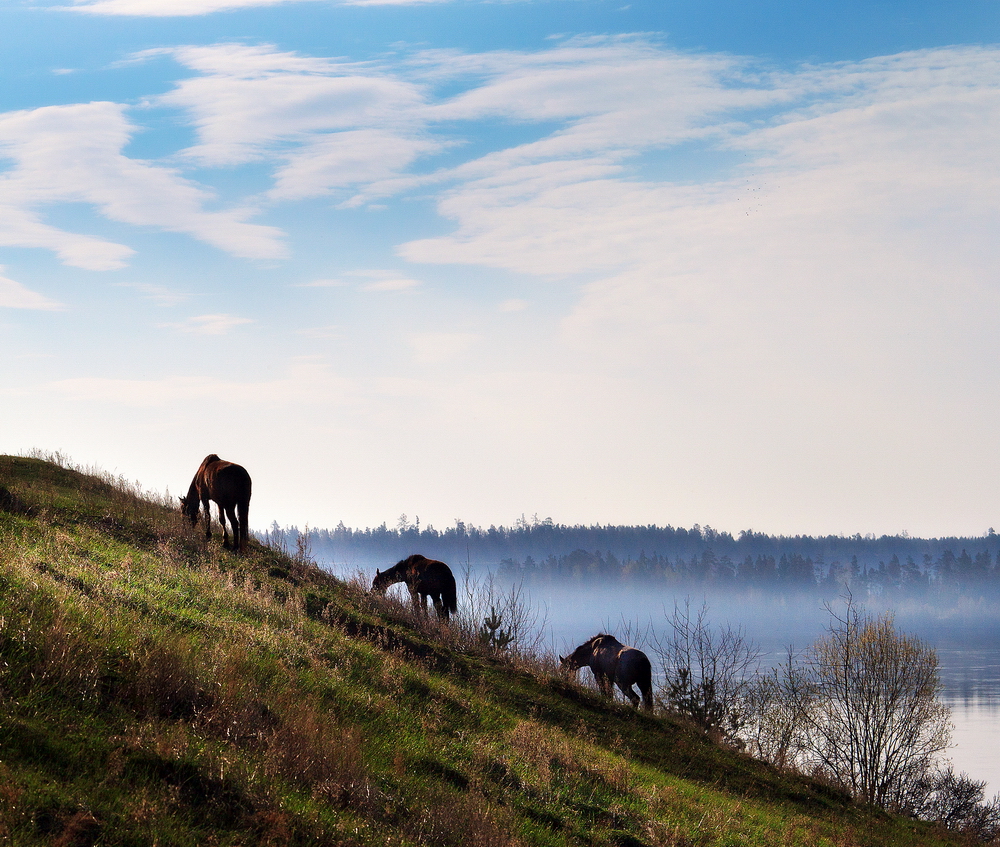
{"x": 20, "y": 227}
{"x": 347, "y": 158}
{"x": 322, "y": 283}
{"x": 159, "y": 294}
{"x": 435, "y": 348}
{"x": 66, "y": 154}
{"x": 384, "y": 280}
{"x": 829, "y": 305}
{"x": 513, "y": 305}
{"x": 391, "y": 284}
{"x": 13, "y": 295}
{"x": 878, "y": 136}
{"x": 341, "y": 116}
{"x": 210, "y": 324}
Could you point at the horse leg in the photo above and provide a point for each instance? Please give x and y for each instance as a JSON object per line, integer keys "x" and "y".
{"x": 235, "y": 524}
{"x": 647, "y": 696}
{"x": 603, "y": 683}
{"x": 225, "y": 532}
{"x": 633, "y": 698}
{"x": 208, "y": 518}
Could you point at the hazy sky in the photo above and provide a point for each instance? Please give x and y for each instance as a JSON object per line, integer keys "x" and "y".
{"x": 733, "y": 263}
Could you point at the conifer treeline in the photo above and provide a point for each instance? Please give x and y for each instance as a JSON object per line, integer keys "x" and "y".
{"x": 543, "y": 550}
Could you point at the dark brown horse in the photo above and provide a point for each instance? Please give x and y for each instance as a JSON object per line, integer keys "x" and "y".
{"x": 424, "y": 578}
{"x": 614, "y": 664}
{"x": 229, "y": 486}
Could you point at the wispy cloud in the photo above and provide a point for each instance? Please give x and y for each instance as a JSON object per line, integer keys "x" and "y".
{"x": 326, "y": 124}
{"x": 13, "y": 295}
{"x": 434, "y": 348}
{"x": 322, "y": 283}
{"x": 391, "y": 284}
{"x": 159, "y": 294}
{"x": 66, "y": 154}
{"x": 384, "y": 280}
{"x": 210, "y": 324}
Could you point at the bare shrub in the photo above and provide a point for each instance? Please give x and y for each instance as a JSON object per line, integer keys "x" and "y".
{"x": 957, "y": 802}
{"x": 774, "y": 703}
{"x": 860, "y": 709}
{"x": 707, "y": 672}
{"x": 499, "y": 617}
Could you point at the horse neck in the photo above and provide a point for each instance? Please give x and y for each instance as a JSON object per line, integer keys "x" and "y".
{"x": 194, "y": 492}
{"x": 397, "y": 573}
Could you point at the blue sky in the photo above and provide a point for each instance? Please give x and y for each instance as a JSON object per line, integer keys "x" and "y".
{"x": 719, "y": 263}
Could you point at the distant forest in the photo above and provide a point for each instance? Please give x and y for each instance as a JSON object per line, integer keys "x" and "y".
{"x": 536, "y": 550}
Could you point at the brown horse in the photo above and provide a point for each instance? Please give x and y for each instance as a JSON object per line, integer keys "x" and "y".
{"x": 614, "y": 663}
{"x": 424, "y": 578}
{"x": 229, "y": 486}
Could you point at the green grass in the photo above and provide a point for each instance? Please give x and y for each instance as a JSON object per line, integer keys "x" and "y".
{"x": 156, "y": 690}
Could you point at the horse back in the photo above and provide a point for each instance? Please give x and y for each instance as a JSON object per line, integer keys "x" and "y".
{"x": 226, "y": 482}
{"x": 436, "y": 576}
{"x": 633, "y": 664}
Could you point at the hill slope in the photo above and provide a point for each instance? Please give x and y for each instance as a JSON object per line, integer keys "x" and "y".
{"x": 158, "y": 690}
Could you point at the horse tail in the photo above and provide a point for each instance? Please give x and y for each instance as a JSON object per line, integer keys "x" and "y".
{"x": 645, "y": 683}
{"x": 242, "y": 512}
{"x": 449, "y": 594}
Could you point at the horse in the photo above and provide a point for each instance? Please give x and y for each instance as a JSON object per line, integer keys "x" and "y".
{"x": 424, "y": 578}
{"x": 614, "y": 663}
{"x": 228, "y": 485}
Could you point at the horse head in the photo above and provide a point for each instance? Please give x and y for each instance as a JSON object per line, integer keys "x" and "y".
{"x": 381, "y": 582}
{"x": 189, "y": 508}
{"x": 569, "y": 663}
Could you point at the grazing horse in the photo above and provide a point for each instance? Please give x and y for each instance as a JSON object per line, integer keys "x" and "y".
{"x": 614, "y": 663}
{"x": 229, "y": 486}
{"x": 424, "y": 578}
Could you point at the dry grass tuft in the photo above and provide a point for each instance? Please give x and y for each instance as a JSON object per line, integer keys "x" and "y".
{"x": 163, "y": 680}
{"x": 548, "y": 752}
{"x": 309, "y": 747}
{"x": 468, "y": 820}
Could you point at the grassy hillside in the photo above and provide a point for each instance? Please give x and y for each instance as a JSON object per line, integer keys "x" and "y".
{"x": 155, "y": 690}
